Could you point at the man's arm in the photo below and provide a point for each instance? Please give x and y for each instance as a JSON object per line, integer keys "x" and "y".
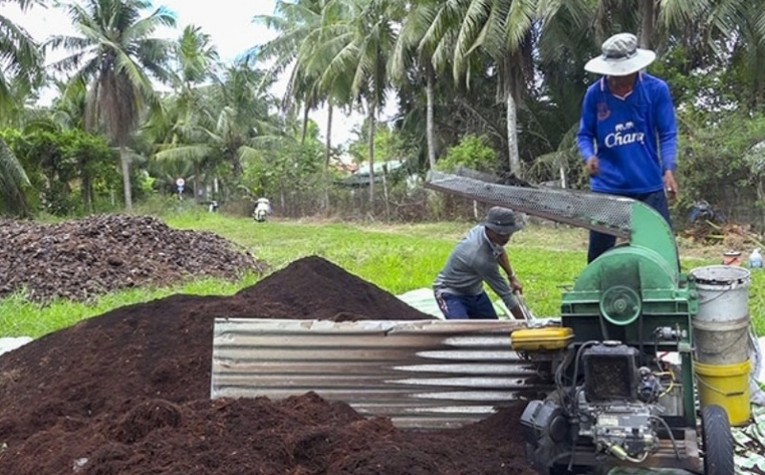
{"x": 585, "y": 138}
{"x": 666, "y": 129}
{"x": 504, "y": 262}
{"x": 498, "y": 284}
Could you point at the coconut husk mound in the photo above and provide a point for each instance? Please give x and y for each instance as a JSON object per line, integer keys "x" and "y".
{"x": 128, "y": 393}
{"x": 331, "y": 293}
{"x": 80, "y": 259}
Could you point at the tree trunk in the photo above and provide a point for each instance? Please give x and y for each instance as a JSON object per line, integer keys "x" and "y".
{"x": 372, "y": 114}
{"x": 197, "y": 184}
{"x": 87, "y": 193}
{"x": 648, "y": 23}
{"x": 282, "y": 196}
{"x": 328, "y": 142}
{"x": 385, "y": 191}
{"x": 512, "y": 135}
{"x": 758, "y": 82}
{"x": 305, "y": 124}
{"x": 430, "y": 126}
{"x": 87, "y": 187}
{"x": 327, "y": 153}
{"x": 236, "y": 167}
{"x": 125, "y": 163}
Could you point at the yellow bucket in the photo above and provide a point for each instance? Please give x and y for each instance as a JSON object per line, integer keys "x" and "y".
{"x": 726, "y": 386}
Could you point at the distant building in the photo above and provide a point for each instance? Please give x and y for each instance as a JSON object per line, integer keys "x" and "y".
{"x": 361, "y": 177}
{"x": 343, "y": 163}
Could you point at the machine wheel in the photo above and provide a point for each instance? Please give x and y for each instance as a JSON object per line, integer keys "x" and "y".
{"x": 717, "y": 441}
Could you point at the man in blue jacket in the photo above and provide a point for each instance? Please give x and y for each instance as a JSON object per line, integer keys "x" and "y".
{"x": 627, "y": 133}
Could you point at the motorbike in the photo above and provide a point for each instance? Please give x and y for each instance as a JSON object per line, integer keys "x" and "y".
{"x": 262, "y": 210}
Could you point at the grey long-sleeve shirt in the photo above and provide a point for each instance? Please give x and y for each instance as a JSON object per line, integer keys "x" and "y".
{"x": 472, "y": 262}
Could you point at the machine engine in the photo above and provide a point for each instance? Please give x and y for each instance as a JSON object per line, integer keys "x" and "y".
{"x": 616, "y": 402}
{"x": 615, "y": 409}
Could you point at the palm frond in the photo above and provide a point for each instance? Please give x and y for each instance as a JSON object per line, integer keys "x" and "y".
{"x": 192, "y": 153}
{"x": 520, "y": 17}
{"x": 469, "y": 34}
{"x": 13, "y": 182}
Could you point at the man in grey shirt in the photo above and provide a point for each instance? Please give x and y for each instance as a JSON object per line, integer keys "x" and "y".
{"x": 477, "y": 259}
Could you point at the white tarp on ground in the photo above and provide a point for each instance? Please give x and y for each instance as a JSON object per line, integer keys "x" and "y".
{"x": 424, "y": 300}
{"x": 10, "y": 343}
{"x": 750, "y": 444}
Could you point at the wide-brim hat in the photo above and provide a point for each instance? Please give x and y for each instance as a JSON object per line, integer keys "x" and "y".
{"x": 620, "y": 57}
{"x": 502, "y": 221}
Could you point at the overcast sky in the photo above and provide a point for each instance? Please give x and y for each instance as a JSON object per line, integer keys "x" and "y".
{"x": 228, "y": 22}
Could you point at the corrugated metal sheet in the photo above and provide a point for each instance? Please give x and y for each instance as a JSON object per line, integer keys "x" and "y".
{"x": 424, "y": 374}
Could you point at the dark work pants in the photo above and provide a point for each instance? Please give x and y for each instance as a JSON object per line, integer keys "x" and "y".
{"x": 600, "y": 243}
{"x": 463, "y": 307}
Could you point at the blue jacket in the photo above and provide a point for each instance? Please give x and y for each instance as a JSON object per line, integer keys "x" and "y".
{"x": 635, "y": 138}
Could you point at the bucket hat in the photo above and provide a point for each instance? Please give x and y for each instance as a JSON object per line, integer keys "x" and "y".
{"x": 621, "y": 57}
{"x": 502, "y": 221}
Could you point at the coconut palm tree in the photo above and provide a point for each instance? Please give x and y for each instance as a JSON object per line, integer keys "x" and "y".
{"x": 21, "y": 72}
{"x": 179, "y": 127}
{"x": 362, "y": 45}
{"x": 242, "y": 115}
{"x": 730, "y": 33}
{"x": 116, "y": 54}
{"x": 21, "y": 59}
{"x": 421, "y": 34}
{"x": 230, "y": 123}
{"x": 726, "y": 34}
{"x": 299, "y": 26}
{"x": 306, "y": 43}
{"x": 13, "y": 181}
{"x": 751, "y": 52}
{"x": 197, "y": 59}
{"x": 502, "y": 32}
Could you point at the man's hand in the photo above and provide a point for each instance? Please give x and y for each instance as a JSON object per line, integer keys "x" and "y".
{"x": 592, "y": 165}
{"x": 670, "y": 185}
{"x": 516, "y": 285}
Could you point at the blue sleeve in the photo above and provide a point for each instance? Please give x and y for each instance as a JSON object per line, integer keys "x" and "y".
{"x": 666, "y": 128}
{"x": 585, "y": 138}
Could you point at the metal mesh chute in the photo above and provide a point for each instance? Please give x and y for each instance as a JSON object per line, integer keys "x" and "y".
{"x": 598, "y": 212}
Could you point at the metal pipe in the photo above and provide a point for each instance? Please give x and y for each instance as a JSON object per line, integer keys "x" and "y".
{"x": 671, "y": 436}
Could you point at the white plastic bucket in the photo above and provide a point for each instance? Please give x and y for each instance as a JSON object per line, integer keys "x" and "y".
{"x": 720, "y": 329}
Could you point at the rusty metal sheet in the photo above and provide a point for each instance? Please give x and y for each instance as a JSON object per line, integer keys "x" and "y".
{"x": 424, "y": 374}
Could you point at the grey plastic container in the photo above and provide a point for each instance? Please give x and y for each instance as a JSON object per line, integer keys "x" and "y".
{"x": 721, "y": 327}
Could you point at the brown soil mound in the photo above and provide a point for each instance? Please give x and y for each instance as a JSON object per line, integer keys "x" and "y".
{"x": 128, "y": 393}
{"x": 317, "y": 289}
{"x": 81, "y": 259}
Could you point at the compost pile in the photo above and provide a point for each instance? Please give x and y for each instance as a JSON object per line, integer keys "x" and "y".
{"x": 128, "y": 393}
{"x": 78, "y": 260}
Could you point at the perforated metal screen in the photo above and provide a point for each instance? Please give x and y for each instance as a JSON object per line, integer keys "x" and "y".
{"x": 605, "y": 213}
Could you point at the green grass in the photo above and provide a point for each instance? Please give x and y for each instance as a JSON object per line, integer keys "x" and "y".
{"x": 20, "y": 317}
{"x": 398, "y": 258}
{"x": 403, "y": 257}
